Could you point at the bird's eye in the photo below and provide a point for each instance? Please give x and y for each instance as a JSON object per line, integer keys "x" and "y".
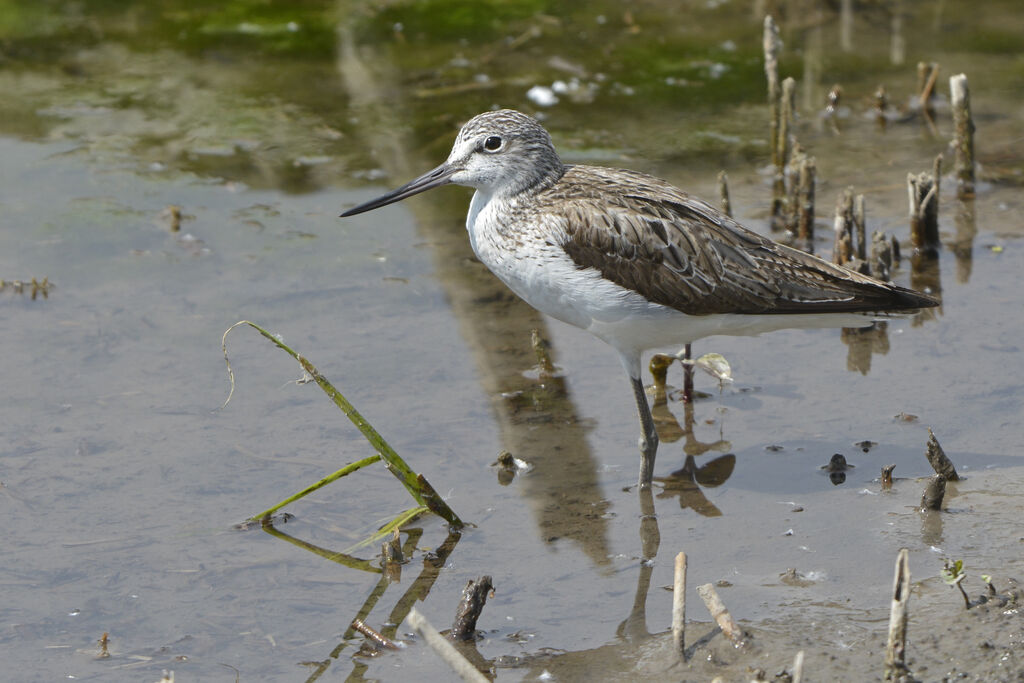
{"x": 492, "y": 144}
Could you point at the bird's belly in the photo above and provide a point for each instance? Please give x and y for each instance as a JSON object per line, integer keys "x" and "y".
{"x": 544, "y": 276}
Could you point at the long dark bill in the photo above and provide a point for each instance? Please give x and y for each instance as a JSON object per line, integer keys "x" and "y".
{"x": 439, "y": 176}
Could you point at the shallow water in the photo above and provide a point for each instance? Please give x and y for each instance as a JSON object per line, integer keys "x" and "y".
{"x": 122, "y": 480}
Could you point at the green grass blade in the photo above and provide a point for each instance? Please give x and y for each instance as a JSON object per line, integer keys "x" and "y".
{"x": 417, "y": 485}
{"x": 347, "y": 469}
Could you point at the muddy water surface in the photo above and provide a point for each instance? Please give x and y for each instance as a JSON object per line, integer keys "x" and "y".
{"x": 122, "y": 480}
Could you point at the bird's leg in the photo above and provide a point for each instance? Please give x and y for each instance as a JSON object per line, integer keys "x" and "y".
{"x": 687, "y": 377}
{"x": 649, "y": 435}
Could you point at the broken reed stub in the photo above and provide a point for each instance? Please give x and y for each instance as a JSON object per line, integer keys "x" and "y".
{"x": 474, "y": 597}
{"x": 923, "y": 196}
{"x": 679, "y": 606}
{"x": 937, "y": 458}
{"x": 720, "y": 613}
{"x": 933, "y": 494}
{"x": 963, "y": 138}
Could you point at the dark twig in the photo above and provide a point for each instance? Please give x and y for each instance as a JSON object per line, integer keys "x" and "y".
{"x": 474, "y": 597}
{"x": 378, "y": 638}
{"x": 937, "y": 458}
{"x": 687, "y": 374}
{"x": 927, "y": 75}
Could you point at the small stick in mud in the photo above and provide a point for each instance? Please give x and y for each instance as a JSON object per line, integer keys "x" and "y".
{"x": 927, "y": 75}
{"x": 720, "y": 613}
{"x": 896, "y": 649}
{"x": 444, "y": 649}
{"x": 963, "y": 140}
{"x": 887, "y": 476}
{"x": 723, "y": 193}
{"x": 474, "y": 597}
{"x": 679, "y": 607}
{"x": 937, "y": 458}
{"x": 934, "y": 492}
{"x": 377, "y": 637}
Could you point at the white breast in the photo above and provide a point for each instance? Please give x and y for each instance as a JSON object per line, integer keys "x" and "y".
{"x": 529, "y": 259}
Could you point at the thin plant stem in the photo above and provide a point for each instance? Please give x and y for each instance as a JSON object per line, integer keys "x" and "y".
{"x": 347, "y": 469}
{"x": 418, "y": 487}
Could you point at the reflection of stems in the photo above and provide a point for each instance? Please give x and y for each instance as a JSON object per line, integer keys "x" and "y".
{"x": 333, "y": 556}
{"x": 418, "y": 590}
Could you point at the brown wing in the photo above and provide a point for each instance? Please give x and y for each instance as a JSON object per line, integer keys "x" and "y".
{"x": 648, "y": 236}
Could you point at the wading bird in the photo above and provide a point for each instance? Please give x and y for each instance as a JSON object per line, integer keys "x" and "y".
{"x": 632, "y": 259}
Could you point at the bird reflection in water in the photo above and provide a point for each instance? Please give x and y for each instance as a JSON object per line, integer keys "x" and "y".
{"x": 687, "y": 482}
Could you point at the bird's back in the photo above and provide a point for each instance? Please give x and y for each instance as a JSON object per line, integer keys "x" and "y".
{"x": 649, "y": 237}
